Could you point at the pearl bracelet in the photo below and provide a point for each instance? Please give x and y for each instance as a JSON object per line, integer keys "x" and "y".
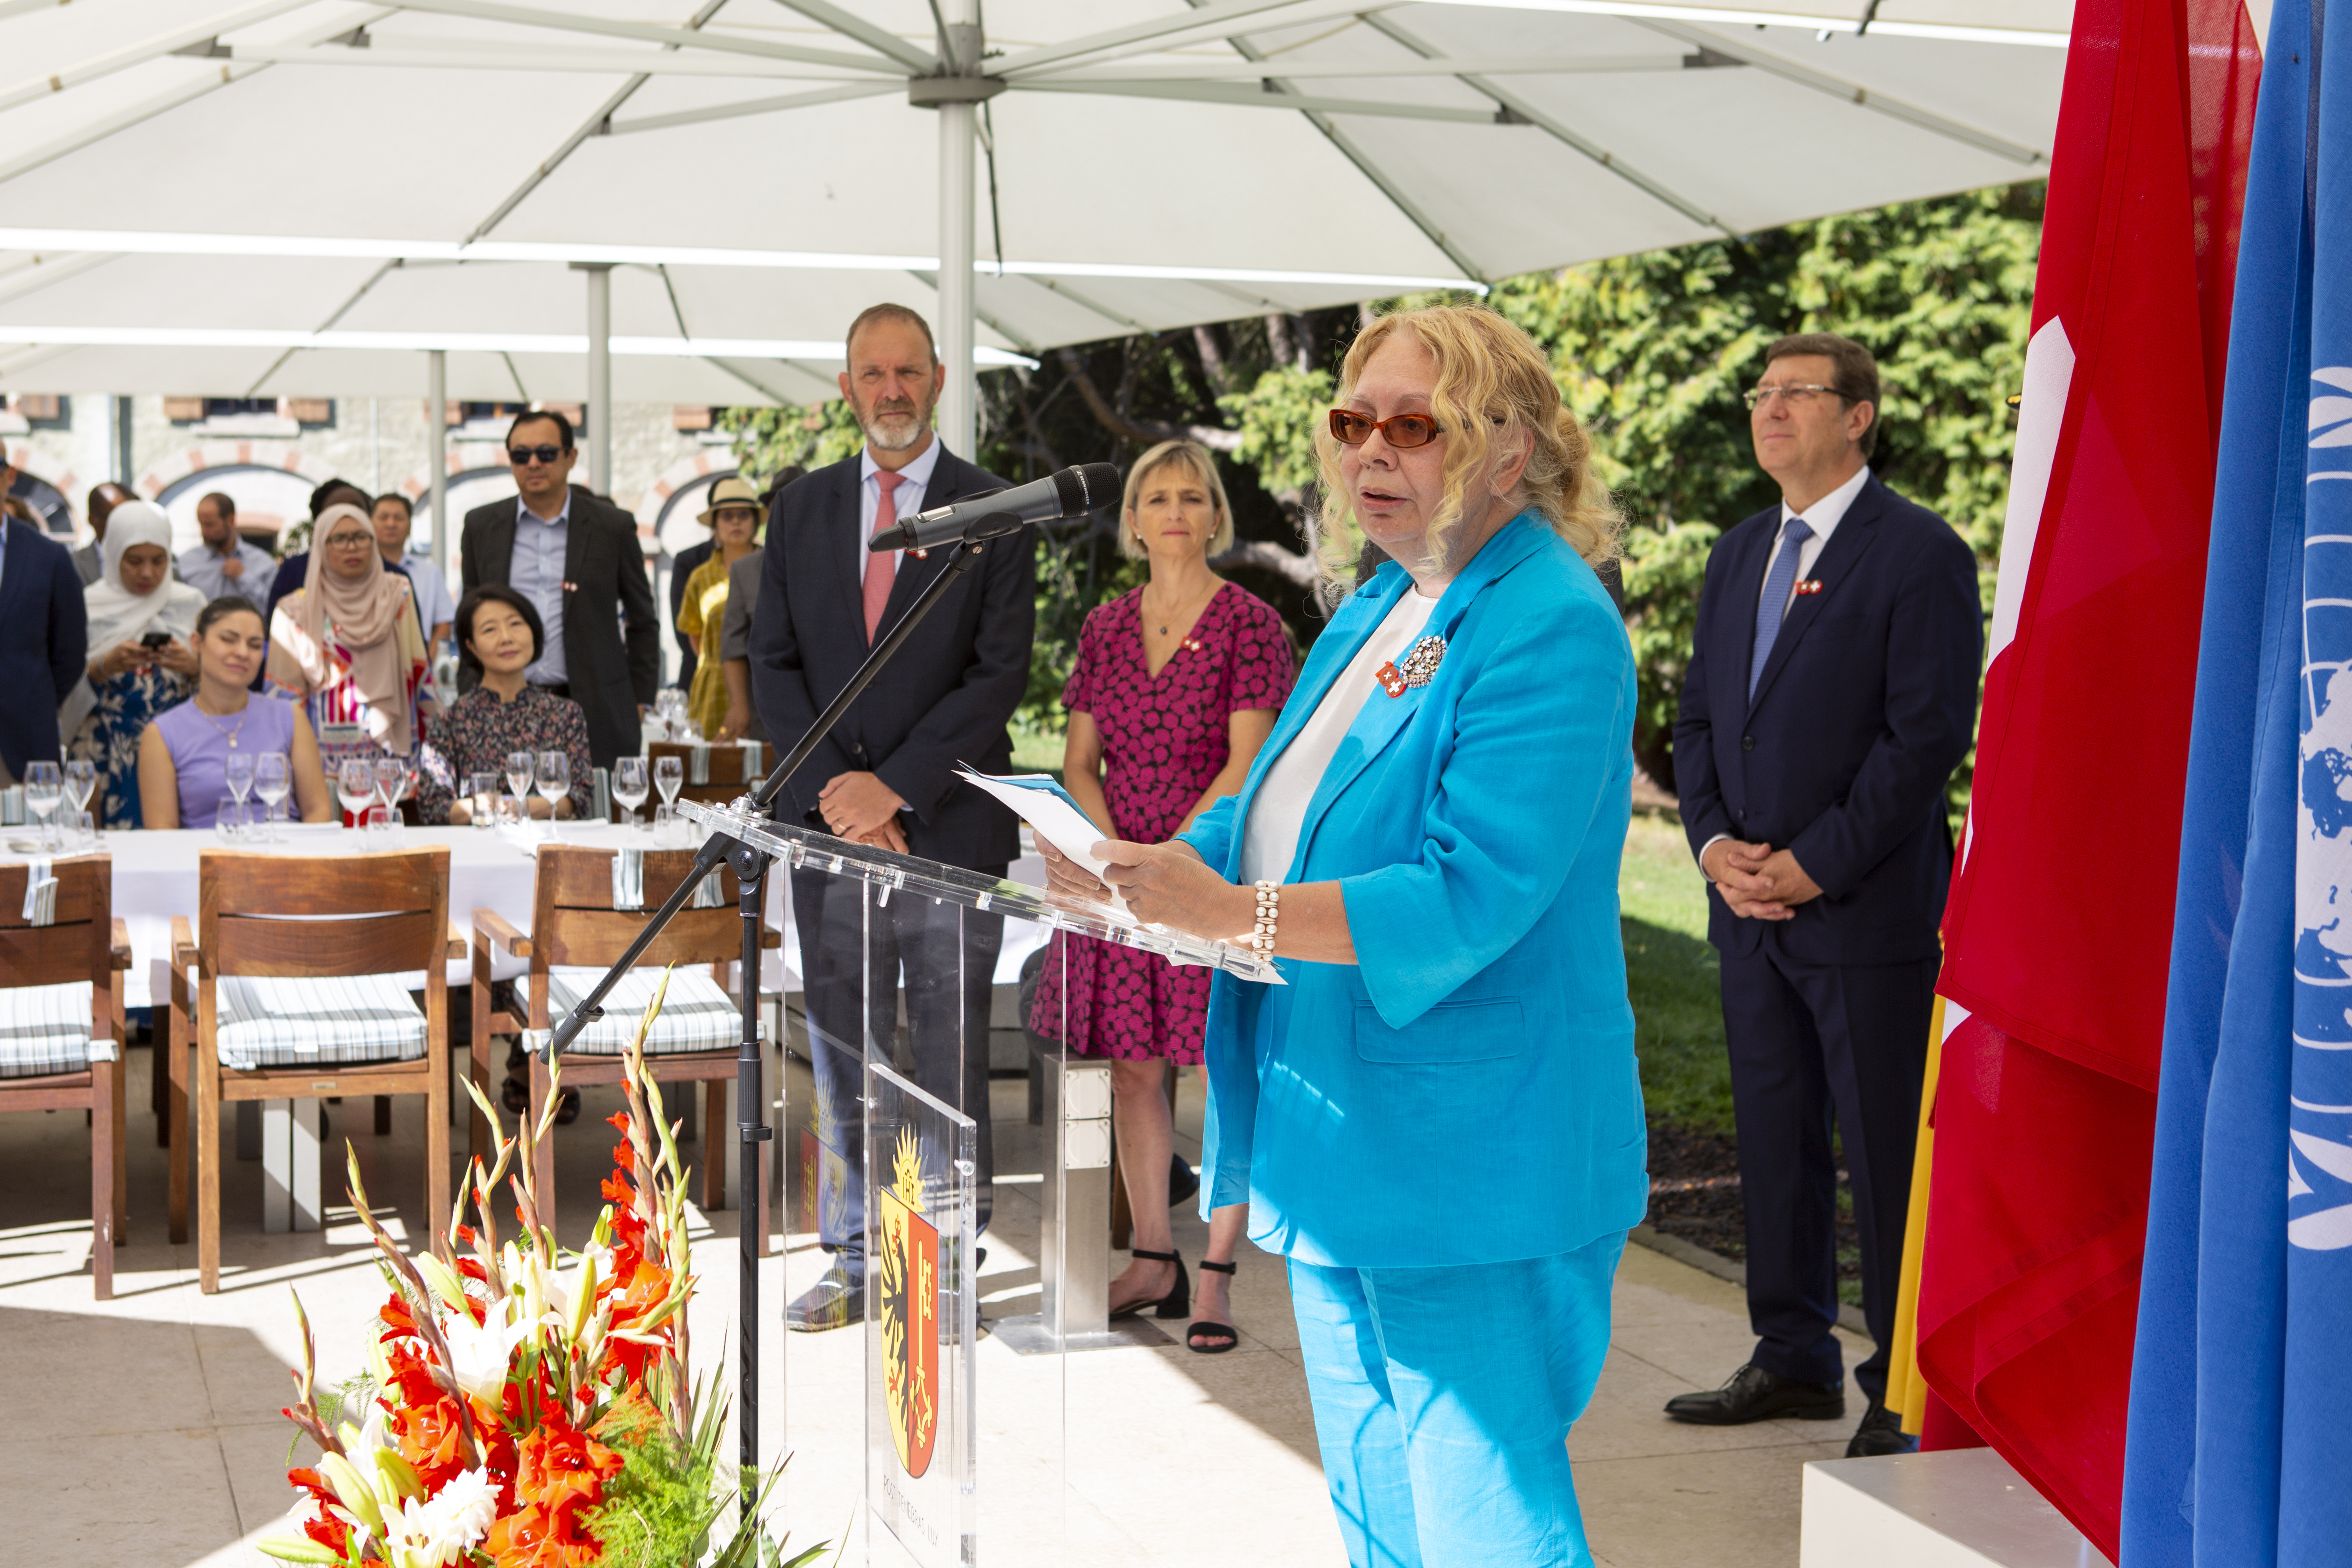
{"x": 1269, "y": 914}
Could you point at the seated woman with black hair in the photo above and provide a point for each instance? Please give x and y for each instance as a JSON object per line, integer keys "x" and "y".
{"x": 499, "y": 635}
{"x": 185, "y": 752}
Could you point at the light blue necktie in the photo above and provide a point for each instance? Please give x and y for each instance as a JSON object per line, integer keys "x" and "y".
{"x": 1777, "y": 585}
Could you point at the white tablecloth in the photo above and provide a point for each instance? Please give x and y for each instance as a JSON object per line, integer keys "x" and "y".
{"x": 155, "y": 879}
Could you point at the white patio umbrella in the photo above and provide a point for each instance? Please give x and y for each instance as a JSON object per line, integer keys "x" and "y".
{"x": 296, "y": 196}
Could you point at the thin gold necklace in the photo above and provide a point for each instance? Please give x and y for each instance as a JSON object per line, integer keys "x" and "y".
{"x": 242, "y": 715}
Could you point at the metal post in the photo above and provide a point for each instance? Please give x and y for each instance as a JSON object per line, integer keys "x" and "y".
{"x": 751, "y": 868}
{"x": 124, "y": 474}
{"x": 600, "y": 373}
{"x": 436, "y": 450}
{"x": 958, "y": 399}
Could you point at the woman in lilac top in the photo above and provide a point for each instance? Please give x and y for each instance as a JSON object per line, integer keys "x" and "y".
{"x": 1176, "y": 686}
{"x": 184, "y": 754}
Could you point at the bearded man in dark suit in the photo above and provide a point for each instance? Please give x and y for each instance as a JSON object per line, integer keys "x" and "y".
{"x": 1831, "y": 692}
{"x": 885, "y": 777}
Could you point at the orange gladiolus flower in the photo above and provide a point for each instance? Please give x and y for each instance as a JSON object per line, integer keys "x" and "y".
{"x": 560, "y": 1470}
{"x": 543, "y": 1538}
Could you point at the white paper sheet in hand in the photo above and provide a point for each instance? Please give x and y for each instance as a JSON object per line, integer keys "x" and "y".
{"x": 1048, "y": 809}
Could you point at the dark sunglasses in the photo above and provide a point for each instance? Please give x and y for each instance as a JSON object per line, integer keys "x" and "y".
{"x": 519, "y": 456}
{"x": 1400, "y": 430}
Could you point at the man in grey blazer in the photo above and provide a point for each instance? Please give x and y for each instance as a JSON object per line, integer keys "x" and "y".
{"x": 576, "y": 558}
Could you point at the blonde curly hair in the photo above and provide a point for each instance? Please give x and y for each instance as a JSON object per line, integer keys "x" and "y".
{"x": 1491, "y": 379}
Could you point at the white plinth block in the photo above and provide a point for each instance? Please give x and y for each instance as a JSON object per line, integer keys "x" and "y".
{"x": 1963, "y": 1508}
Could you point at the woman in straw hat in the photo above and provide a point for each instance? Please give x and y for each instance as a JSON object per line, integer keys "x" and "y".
{"x": 733, "y": 519}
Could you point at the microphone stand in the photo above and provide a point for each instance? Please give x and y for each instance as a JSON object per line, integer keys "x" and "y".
{"x": 751, "y": 868}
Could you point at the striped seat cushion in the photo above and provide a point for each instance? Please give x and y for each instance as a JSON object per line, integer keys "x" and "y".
{"x": 44, "y": 1029}
{"x": 287, "y": 1022}
{"x": 696, "y": 1014}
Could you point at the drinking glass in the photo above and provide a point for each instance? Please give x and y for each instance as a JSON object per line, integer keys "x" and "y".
{"x": 236, "y": 771}
{"x": 84, "y": 828}
{"x": 44, "y": 788}
{"x": 81, "y": 781}
{"x": 669, "y": 777}
{"x": 629, "y": 787}
{"x": 508, "y": 810}
{"x": 519, "y": 765}
{"x": 383, "y": 821}
{"x": 554, "y": 777}
{"x": 483, "y": 805}
{"x": 229, "y": 819}
{"x": 355, "y": 785}
{"x": 390, "y": 776}
{"x": 669, "y": 828}
{"x": 273, "y": 780}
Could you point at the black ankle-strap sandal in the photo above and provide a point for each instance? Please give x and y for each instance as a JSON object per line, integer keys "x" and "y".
{"x": 1174, "y": 1304}
{"x": 1219, "y": 1337}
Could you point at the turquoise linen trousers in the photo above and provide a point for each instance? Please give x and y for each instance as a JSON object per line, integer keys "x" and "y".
{"x": 1443, "y": 1400}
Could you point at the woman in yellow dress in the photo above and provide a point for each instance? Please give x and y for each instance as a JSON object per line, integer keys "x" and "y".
{"x": 733, "y": 519}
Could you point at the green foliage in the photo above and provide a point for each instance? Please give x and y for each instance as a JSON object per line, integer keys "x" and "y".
{"x": 769, "y": 439}
{"x": 1276, "y": 419}
{"x": 1664, "y": 569}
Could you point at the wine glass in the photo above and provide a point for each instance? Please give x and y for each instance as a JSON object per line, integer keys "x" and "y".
{"x": 669, "y": 777}
{"x": 390, "y": 779}
{"x": 81, "y": 781}
{"x": 273, "y": 780}
{"x": 43, "y": 789}
{"x": 355, "y": 785}
{"x": 554, "y": 777}
{"x": 629, "y": 787}
{"x": 236, "y": 771}
{"x": 519, "y": 766}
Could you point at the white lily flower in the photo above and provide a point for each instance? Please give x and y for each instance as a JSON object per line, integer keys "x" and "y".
{"x": 481, "y": 1353}
{"x": 435, "y": 1533}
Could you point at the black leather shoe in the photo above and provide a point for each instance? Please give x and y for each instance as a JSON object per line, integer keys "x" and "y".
{"x": 1881, "y": 1432}
{"x": 1751, "y": 1393}
{"x": 836, "y": 1301}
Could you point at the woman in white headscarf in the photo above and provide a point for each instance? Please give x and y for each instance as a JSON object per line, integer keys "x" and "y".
{"x": 347, "y": 645}
{"x": 139, "y": 661}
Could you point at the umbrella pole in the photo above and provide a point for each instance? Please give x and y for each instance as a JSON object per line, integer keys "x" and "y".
{"x": 436, "y": 450}
{"x": 958, "y": 125}
{"x": 600, "y": 375}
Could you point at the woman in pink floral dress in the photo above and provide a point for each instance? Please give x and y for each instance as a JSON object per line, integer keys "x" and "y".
{"x": 1176, "y": 688}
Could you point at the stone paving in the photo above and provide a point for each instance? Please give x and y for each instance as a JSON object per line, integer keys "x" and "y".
{"x": 144, "y": 1430}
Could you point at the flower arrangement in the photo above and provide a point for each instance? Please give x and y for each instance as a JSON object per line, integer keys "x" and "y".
{"x": 523, "y": 1409}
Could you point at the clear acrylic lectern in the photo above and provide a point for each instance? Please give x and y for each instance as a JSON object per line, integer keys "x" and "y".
{"x": 892, "y": 1172}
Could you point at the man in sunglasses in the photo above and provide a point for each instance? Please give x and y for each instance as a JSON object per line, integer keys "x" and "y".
{"x": 1831, "y": 692}
{"x": 886, "y": 776}
{"x": 576, "y": 558}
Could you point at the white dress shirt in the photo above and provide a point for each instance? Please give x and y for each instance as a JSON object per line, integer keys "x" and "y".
{"x": 1278, "y": 810}
{"x": 536, "y": 571}
{"x": 1822, "y": 517}
{"x": 914, "y": 483}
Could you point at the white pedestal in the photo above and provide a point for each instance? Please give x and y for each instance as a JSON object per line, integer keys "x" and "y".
{"x": 1961, "y": 1509}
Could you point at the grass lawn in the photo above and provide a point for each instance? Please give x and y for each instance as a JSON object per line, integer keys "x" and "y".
{"x": 1670, "y": 971}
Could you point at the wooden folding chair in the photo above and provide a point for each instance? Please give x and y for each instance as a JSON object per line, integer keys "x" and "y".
{"x": 61, "y": 1041}
{"x": 724, "y": 765}
{"x": 576, "y": 933}
{"x": 298, "y": 995}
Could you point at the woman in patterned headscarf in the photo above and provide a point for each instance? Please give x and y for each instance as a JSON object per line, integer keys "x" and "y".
{"x": 347, "y": 645}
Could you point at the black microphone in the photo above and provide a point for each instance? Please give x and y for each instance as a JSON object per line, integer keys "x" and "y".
{"x": 1065, "y": 493}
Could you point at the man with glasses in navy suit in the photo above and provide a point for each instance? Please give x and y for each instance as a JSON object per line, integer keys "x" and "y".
{"x": 44, "y": 637}
{"x": 1831, "y": 692}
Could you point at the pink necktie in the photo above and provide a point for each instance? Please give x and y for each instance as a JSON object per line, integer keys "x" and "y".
{"x": 881, "y": 569}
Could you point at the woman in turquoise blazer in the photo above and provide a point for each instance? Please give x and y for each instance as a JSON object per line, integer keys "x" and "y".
{"x": 1437, "y": 1121}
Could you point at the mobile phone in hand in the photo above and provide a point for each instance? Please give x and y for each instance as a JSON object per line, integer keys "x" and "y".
{"x": 155, "y": 640}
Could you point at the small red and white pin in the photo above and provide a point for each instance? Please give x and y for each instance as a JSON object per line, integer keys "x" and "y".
{"x": 1809, "y": 586}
